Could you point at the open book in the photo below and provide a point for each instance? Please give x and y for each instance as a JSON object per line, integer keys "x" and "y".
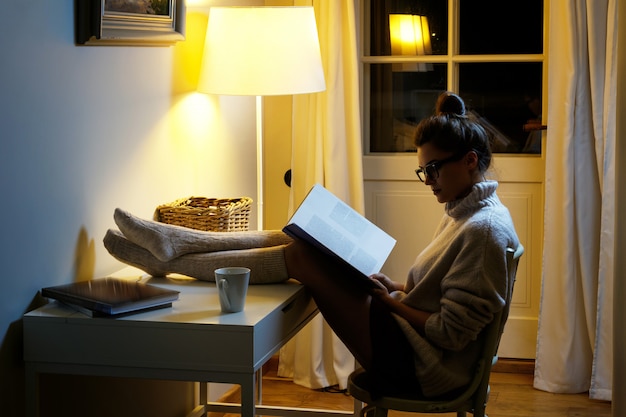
{"x": 335, "y": 228}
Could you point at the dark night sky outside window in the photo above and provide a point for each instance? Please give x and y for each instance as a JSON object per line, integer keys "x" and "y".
{"x": 506, "y": 92}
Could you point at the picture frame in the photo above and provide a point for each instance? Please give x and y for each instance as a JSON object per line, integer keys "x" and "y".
{"x": 129, "y": 22}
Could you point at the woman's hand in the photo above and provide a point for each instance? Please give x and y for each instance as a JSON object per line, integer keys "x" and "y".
{"x": 383, "y": 287}
{"x": 384, "y": 283}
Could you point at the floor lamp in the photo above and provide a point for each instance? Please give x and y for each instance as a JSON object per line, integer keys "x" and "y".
{"x": 260, "y": 51}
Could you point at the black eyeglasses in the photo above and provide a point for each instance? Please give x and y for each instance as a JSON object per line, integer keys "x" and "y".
{"x": 432, "y": 170}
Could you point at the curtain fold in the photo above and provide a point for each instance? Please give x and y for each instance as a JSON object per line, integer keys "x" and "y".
{"x": 381, "y": 79}
{"x": 574, "y": 344}
{"x": 326, "y": 149}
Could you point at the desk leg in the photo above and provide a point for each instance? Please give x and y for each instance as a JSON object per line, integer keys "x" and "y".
{"x": 358, "y": 406}
{"x": 204, "y": 396}
{"x": 32, "y": 390}
{"x": 248, "y": 400}
{"x": 259, "y": 386}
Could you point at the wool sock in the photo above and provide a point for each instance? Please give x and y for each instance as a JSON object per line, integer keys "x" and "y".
{"x": 166, "y": 241}
{"x": 267, "y": 265}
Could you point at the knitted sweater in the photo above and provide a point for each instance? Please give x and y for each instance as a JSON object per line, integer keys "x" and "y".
{"x": 461, "y": 278}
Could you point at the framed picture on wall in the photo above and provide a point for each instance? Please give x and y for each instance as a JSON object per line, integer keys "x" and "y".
{"x": 129, "y": 22}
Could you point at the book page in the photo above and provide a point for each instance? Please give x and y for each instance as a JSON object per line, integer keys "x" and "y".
{"x": 343, "y": 231}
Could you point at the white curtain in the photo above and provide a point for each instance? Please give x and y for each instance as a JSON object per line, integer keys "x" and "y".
{"x": 574, "y": 346}
{"x": 327, "y": 150}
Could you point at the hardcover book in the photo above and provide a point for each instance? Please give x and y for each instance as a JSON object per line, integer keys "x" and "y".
{"x": 335, "y": 228}
{"x": 111, "y": 296}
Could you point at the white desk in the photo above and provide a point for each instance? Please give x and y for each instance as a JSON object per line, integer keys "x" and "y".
{"x": 191, "y": 341}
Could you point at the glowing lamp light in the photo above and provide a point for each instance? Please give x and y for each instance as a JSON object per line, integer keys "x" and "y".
{"x": 410, "y": 36}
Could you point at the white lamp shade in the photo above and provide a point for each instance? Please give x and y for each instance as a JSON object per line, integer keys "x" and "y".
{"x": 261, "y": 51}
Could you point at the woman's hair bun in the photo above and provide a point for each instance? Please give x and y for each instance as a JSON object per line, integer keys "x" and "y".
{"x": 450, "y": 103}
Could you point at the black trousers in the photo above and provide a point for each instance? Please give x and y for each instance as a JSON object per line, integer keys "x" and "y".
{"x": 393, "y": 364}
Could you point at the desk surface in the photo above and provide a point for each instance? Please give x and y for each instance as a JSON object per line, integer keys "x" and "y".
{"x": 191, "y": 335}
{"x": 198, "y": 303}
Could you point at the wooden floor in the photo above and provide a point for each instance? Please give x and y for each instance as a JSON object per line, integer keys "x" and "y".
{"x": 512, "y": 395}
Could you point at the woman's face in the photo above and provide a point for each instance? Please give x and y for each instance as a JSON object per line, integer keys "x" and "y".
{"x": 455, "y": 177}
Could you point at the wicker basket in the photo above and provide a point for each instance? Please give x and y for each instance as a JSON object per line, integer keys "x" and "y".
{"x": 209, "y": 214}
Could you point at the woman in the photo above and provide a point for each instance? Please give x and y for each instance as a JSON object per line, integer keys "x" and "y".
{"x": 418, "y": 336}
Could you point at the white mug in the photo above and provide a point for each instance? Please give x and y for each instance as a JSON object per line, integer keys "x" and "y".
{"x": 232, "y": 287}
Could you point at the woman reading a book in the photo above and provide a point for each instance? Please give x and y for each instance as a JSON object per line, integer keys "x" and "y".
{"x": 417, "y": 335}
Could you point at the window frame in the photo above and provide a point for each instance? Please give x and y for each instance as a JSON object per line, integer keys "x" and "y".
{"x": 452, "y": 59}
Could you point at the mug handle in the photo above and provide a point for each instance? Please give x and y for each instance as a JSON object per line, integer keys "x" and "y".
{"x": 223, "y": 292}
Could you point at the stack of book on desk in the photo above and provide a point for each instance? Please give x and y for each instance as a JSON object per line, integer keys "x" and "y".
{"x": 111, "y": 297}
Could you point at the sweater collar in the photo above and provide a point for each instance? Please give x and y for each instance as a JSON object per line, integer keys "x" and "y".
{"x": 482, "y": 194}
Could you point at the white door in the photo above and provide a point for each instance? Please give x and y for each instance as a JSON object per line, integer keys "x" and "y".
{"x": 399, "y": 89}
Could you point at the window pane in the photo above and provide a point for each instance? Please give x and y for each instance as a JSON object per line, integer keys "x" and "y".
{"x": 507, "y": 95}
{"x": 501, "y": 27}
{"x": 435, "y": 11}
{"x": 400, "y": 97}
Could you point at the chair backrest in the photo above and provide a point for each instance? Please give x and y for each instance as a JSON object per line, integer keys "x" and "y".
{"x": 494, "y": 332}
{"x": 512, "y": 262}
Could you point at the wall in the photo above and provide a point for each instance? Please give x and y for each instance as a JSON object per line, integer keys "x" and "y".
{"x": 85, "y": 130}
{"x": 277, "y": 138}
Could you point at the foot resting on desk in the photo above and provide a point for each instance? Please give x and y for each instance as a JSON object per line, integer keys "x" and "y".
{"x": 166, "y": 241}
{"x": 267, "y": 264}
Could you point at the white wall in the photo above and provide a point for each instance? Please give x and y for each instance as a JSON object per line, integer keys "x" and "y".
{"x": 87, "y": 129}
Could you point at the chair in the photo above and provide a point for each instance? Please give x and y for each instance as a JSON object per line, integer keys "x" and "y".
{"x": 472, "y": 399}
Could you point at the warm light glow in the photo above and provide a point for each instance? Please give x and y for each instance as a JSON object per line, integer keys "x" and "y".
{"x": 195, "y": 3}
{"x": 261, "y": 51}
{"x": 410, "y": 36}
{"x": 402, "y": 34}
{"x": 428, "y": 50}
{"x": 193, "y": 118}
{"x": 188, "y": 54}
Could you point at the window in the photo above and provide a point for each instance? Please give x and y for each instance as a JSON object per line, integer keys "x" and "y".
{"x": 490, "y": 52}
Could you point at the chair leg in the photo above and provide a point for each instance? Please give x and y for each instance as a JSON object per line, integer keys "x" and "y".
{"x": 479, "y": 411}
{"x": 380, "y": 412}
